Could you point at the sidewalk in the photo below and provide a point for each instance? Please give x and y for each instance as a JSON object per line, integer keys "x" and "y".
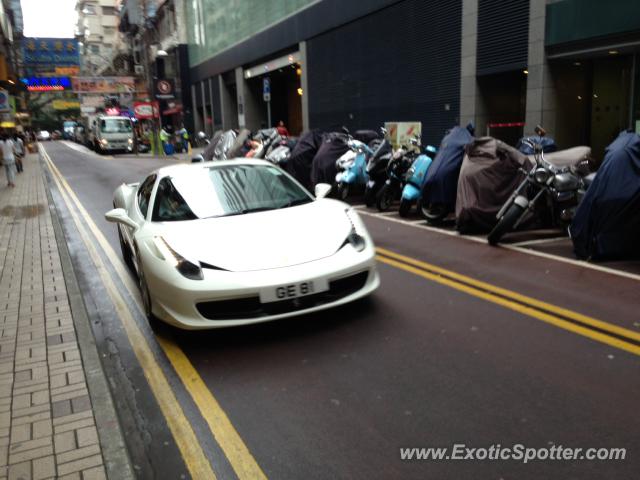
{"x": 49, "y": 368}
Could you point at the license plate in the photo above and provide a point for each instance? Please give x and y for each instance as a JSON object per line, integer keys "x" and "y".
{"x": 293, "y": 290}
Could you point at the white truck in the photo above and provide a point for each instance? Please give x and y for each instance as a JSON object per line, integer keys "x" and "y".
{"x": 109, "y": 133}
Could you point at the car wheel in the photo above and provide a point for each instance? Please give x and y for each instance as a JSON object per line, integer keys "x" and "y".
{"x": 126, "y": 251}
{"x": 145, "y": 294}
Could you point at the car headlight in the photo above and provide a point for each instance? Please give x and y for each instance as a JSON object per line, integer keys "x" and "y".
{"x": 541, "y": 175}
{"x": 130, "y": 140}
{"x": 104, "y": 141}
{"x": 188, "y": 269}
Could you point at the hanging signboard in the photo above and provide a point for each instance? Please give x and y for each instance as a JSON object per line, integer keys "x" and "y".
{"x": 103, "y": 84}
{"x": 145, "y": 110}
{"x": 56, "y": 52}
{"x": 165, "y": 89}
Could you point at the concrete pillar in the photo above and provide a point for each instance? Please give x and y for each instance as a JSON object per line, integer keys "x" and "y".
{"x": 468, "y": 86}
{"x": 228, "y": 109}
{"x": 242, "y": 115}
{"x": 304, "y": 83}
{"x": 196, "y": 118}
{"x": 213, "y": 117}
{"x": 207, "y": 128}
{"x": 541, "y": 92}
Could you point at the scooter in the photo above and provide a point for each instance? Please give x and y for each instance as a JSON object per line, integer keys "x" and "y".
{"x": 352, "y": 168}
{"x": 377, "y": 169}
{"x": 396, "y": 171}
{"x": 412, "y": 190}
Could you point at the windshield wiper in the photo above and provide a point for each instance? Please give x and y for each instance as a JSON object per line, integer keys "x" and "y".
{"x": 293, "y": 203}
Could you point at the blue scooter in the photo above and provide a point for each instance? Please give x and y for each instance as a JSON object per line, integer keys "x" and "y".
{"x": 352, "y": 168}
{"x": 412, "y": 190}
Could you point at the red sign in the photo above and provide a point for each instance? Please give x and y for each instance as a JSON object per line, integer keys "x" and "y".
{"x": 145, "y": 110}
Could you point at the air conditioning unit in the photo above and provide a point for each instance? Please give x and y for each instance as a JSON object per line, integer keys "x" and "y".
{"x": 138, "y": 69}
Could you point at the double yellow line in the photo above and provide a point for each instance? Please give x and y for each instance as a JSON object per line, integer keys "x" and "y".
{"x": 237, "y": 453}
{"x": 584, "y": 325}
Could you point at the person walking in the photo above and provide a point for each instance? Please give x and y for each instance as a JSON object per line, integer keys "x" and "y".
{"x": 19, "y": 151}
{"x": 9, "y": 160}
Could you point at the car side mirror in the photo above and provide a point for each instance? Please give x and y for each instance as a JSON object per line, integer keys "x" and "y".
{"x": 322, "y": 190}
{"x": 119, "y": 215}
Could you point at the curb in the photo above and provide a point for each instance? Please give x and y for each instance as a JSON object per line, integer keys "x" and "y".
{"x": 114, "y": 451}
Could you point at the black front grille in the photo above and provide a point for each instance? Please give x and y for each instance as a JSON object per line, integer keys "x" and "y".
{"x": 250, "y": 307}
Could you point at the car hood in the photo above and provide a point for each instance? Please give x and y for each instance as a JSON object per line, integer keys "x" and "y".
{"x": 263, "y": 240}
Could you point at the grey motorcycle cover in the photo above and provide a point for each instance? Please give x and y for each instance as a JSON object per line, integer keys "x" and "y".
{"x": 488, "y": 176}
{"x": 607, "y": 222}
{"x": 299, "y": 164}
{"x": 323, "y": 167}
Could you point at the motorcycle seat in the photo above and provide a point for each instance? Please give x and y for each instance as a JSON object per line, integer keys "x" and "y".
{"x": 568, "y": 157}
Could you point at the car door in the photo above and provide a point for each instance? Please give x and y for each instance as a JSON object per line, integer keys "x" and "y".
{"x": 139, "y": 209}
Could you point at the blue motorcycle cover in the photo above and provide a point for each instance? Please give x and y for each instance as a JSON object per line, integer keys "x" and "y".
{"x": 548, "y": 144}
{"x": 607, "y": 222}
{"x": 441, "y": 183}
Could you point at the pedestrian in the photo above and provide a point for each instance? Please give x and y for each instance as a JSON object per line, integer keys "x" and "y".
{"x": 184, "y": 134}
{"x": 9, "y": 160}
{"x": 282, "y": 130}
{"x": 19, "y": 151}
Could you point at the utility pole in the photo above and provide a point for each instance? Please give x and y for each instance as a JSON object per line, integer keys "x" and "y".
{"x": 155, "y": 130}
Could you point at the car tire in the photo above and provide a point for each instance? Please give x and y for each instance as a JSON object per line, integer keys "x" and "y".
{"x": 126, "y": 251}
{"x": 145, "y": 295}
{"x": 405, "y": 207}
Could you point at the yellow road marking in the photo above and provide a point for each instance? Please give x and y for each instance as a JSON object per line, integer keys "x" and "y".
{"x": 227, "y": 437}
{"x": 511, "y": 304}
{"x": 194, "y": 458}
{"x": 615, "y": 329}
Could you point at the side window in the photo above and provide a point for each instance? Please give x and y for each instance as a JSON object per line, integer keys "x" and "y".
{"x": 144, "y": 194}
{"x": 169, "y": 205}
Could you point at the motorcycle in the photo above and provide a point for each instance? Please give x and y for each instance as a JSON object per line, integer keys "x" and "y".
{"x": 377, "y": 169}
{"x": 554, "y": 186}
{"x": 352, "y": 168}
{"x": 396, "y": 171}
{"x": 414, "y": 178}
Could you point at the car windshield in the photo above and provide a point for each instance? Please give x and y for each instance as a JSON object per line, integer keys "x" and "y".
{"x": 115, "y": 125}
{"x": 227, "y": 190}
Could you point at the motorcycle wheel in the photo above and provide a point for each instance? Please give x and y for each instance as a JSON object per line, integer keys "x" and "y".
{"x": 369, "y": 197}
{"x": 342, "y": 192}
{"x": 405, "y": 207}
{"x": 384, "y": 199}
{"x": 434, "y": 212}
{"x": 505, "y": 224}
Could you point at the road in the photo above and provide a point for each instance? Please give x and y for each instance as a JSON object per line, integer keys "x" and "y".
{"x": 462, "y": 344}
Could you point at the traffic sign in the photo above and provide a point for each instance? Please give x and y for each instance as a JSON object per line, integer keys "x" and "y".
{"x": 266, "y": 89}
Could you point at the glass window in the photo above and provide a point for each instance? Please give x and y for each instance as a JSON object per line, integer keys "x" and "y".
{"x": 169, "y": 205}
{"x": 95, "y": 48}
{"x": 144, "y": 194}
{"x": 108, "y": 10}
{"x": 115, "y": 125}
{"x": 237, "y": 189}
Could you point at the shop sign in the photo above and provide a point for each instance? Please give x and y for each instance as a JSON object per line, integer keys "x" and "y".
{"x": 50, "y": 51}
{"x": 103, "y": 84}
{"x": 165, "y": 89}
{"x": 145, "y": 110}
{"x": 59, "y": 104}
{"x": 399, "y": 133}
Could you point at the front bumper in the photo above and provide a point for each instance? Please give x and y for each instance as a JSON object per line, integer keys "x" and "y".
{"x": 225, "y": 299}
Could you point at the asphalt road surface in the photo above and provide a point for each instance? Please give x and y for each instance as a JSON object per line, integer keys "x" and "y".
{"x": 462, "y": 344}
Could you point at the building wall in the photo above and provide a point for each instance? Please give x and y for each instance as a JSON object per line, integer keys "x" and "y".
{"x": 98, "y": 28}
{"x": 407, "y": 73}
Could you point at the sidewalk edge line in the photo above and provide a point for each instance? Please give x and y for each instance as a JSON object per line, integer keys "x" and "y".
{"x": 114, "y": 451}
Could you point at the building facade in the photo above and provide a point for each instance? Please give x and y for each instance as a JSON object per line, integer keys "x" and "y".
{"x": 507, "y": 66}
{"x": 97, "y": 30}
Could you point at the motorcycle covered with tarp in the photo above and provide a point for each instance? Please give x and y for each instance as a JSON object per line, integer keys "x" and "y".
{"x": 491, "y": 170}
{"x": 440, "y": 186}
{"x": 323, "y": 166}
{"x": 606, "y": 224}
{"x": 299, "y": 163}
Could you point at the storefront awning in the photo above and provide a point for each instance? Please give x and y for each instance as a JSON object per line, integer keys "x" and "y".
{"x": 173, "y": 110}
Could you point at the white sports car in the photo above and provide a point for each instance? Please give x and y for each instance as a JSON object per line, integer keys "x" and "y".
{"x": 236, "y": 242}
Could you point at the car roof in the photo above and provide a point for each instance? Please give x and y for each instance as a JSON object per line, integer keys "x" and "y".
{"x": 177, "y": 169}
